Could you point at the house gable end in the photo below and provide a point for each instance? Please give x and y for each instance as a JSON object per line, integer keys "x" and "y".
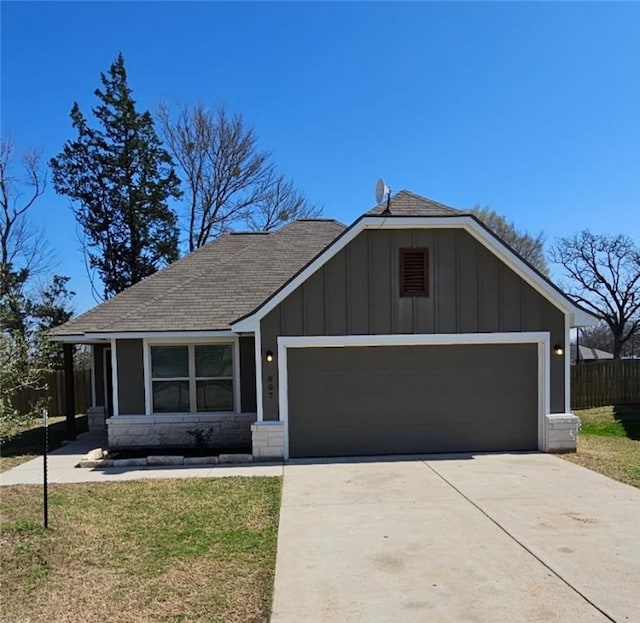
{"x": 468, "y": 223}
{"x": 357, "y": 292}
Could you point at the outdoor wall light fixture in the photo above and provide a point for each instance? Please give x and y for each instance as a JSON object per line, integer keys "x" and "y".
{"x": 269, "y": 356}
{"x": 558, "y": 350}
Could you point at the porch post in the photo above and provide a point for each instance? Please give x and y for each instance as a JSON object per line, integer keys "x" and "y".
{"x": 69, "y": 391}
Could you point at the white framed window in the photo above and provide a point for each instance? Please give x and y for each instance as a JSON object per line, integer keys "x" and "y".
{"x": 191, "y": 378}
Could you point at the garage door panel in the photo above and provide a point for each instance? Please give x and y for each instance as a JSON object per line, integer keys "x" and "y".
{"x": 412, "y": 399}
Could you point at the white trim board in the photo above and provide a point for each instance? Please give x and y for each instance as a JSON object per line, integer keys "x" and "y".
{"x": 467, "y": 223}
{"x": 542, "y": 339}
{"x": 184, "y": 335}
{"x": 93, "y": 377}
{"x": 77, "y": 339}
{"x": 567, "y": 366}
{"x": 115, "y": 405}
{"x": 258, "y": 356}
{"x": 107, "y": 398}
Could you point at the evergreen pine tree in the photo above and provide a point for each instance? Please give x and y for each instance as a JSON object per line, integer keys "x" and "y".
{"x": 120, "y": 178}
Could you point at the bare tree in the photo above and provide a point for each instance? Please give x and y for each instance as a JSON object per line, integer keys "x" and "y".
{"x": 604, "y": 273}
{"x": 279, "y": 203}
{"x": 221, "y": 163}
{"x": 530, "y": 248}
{"x": 20, "y": 243}
{"x": 229, "y": 180}
{"x": 600, "y": 337}
{"x": 25, "y": 352}
{"x": 23, "y": 251}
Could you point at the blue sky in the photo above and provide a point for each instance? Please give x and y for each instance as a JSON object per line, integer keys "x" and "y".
{"x": 530, "y": 108}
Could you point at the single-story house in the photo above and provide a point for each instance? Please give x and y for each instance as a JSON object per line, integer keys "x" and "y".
{"x": 413, "y": 330}
{"x": 586, "y": 353}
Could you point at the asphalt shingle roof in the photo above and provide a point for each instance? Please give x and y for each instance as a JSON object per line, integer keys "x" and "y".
{"x": 211, "y": 287}
{"x": 228, "y": 278}
{"x": 406, "y": 203}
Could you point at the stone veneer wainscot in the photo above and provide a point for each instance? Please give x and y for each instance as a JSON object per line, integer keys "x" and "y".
{"x": 268, "y": 440}
{"x": 172, "y": 431}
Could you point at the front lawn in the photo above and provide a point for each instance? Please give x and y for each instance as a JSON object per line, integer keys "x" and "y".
{"x": 166, "y": 550}
{"x": 609, "y": 442}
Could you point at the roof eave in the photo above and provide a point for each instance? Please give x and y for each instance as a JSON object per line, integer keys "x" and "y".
{"x": 76, "y": 338}
{"x": 582, "y": 318}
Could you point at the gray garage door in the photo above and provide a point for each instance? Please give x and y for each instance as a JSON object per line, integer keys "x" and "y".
{"x": 358, "y": 401}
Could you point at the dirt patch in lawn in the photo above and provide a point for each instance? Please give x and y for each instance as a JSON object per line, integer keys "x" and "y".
{"x": 7, "y": 462}
{"x": 170, "y": 550}
{"x": 609, "y": 442}
{"x": 616, "y": 457}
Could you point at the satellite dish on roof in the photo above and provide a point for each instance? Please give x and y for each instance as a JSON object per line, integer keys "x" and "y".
{"x": 382, "y": 190}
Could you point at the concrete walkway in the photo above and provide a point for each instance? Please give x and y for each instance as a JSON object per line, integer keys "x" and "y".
{"x": 488, "y": 538}
{"x": 61, "y": 467}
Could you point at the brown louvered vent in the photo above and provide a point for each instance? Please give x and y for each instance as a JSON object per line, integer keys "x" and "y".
{"x": 414, "y": 272}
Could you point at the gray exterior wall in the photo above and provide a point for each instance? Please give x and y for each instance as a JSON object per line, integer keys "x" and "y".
{"x": 247, "y": 374}
{"x": 443, "y": 390}
{"x": 230, "y": 432}
{"x": 129, "y": 356}
{"x": 98, "y": 371}
{"x": 357, "y": 293}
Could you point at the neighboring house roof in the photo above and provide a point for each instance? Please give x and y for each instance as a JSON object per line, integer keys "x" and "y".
{"x": 209, "y": 288}
{"x": 589, "y": 354}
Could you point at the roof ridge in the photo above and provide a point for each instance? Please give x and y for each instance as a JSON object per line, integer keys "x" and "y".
{"x": 407, "y": 203}
{"x": 423, "y": 198}
{"x": 319, "y": 219}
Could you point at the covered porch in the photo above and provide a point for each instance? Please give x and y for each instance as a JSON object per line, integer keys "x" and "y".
{"x": 170, "y": 391}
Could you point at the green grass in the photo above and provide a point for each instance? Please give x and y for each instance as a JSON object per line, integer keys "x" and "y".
{"x": 609, "y": 442}
{"x": 167, "y": 550}
{"x": 604, "y": 429}
{"x": 27, "y": 444}
{"x": 611, "y": 421}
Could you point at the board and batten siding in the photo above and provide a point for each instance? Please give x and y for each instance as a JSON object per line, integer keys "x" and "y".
{"x": 130, "y": 360}
{"x": 247, "y": 374}
{"x": 357, "y": 293}
{"x": 98, "y": 370}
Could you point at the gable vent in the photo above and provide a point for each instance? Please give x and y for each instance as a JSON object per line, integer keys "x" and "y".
{"x": 414, "y": 272}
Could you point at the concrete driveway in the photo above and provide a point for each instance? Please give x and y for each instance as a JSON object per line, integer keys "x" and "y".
{"x": 522, "y": 537}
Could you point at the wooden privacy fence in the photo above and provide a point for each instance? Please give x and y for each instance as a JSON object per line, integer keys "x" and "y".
{"x": 605, "y": 383}
{"x": 55, "y": 381}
